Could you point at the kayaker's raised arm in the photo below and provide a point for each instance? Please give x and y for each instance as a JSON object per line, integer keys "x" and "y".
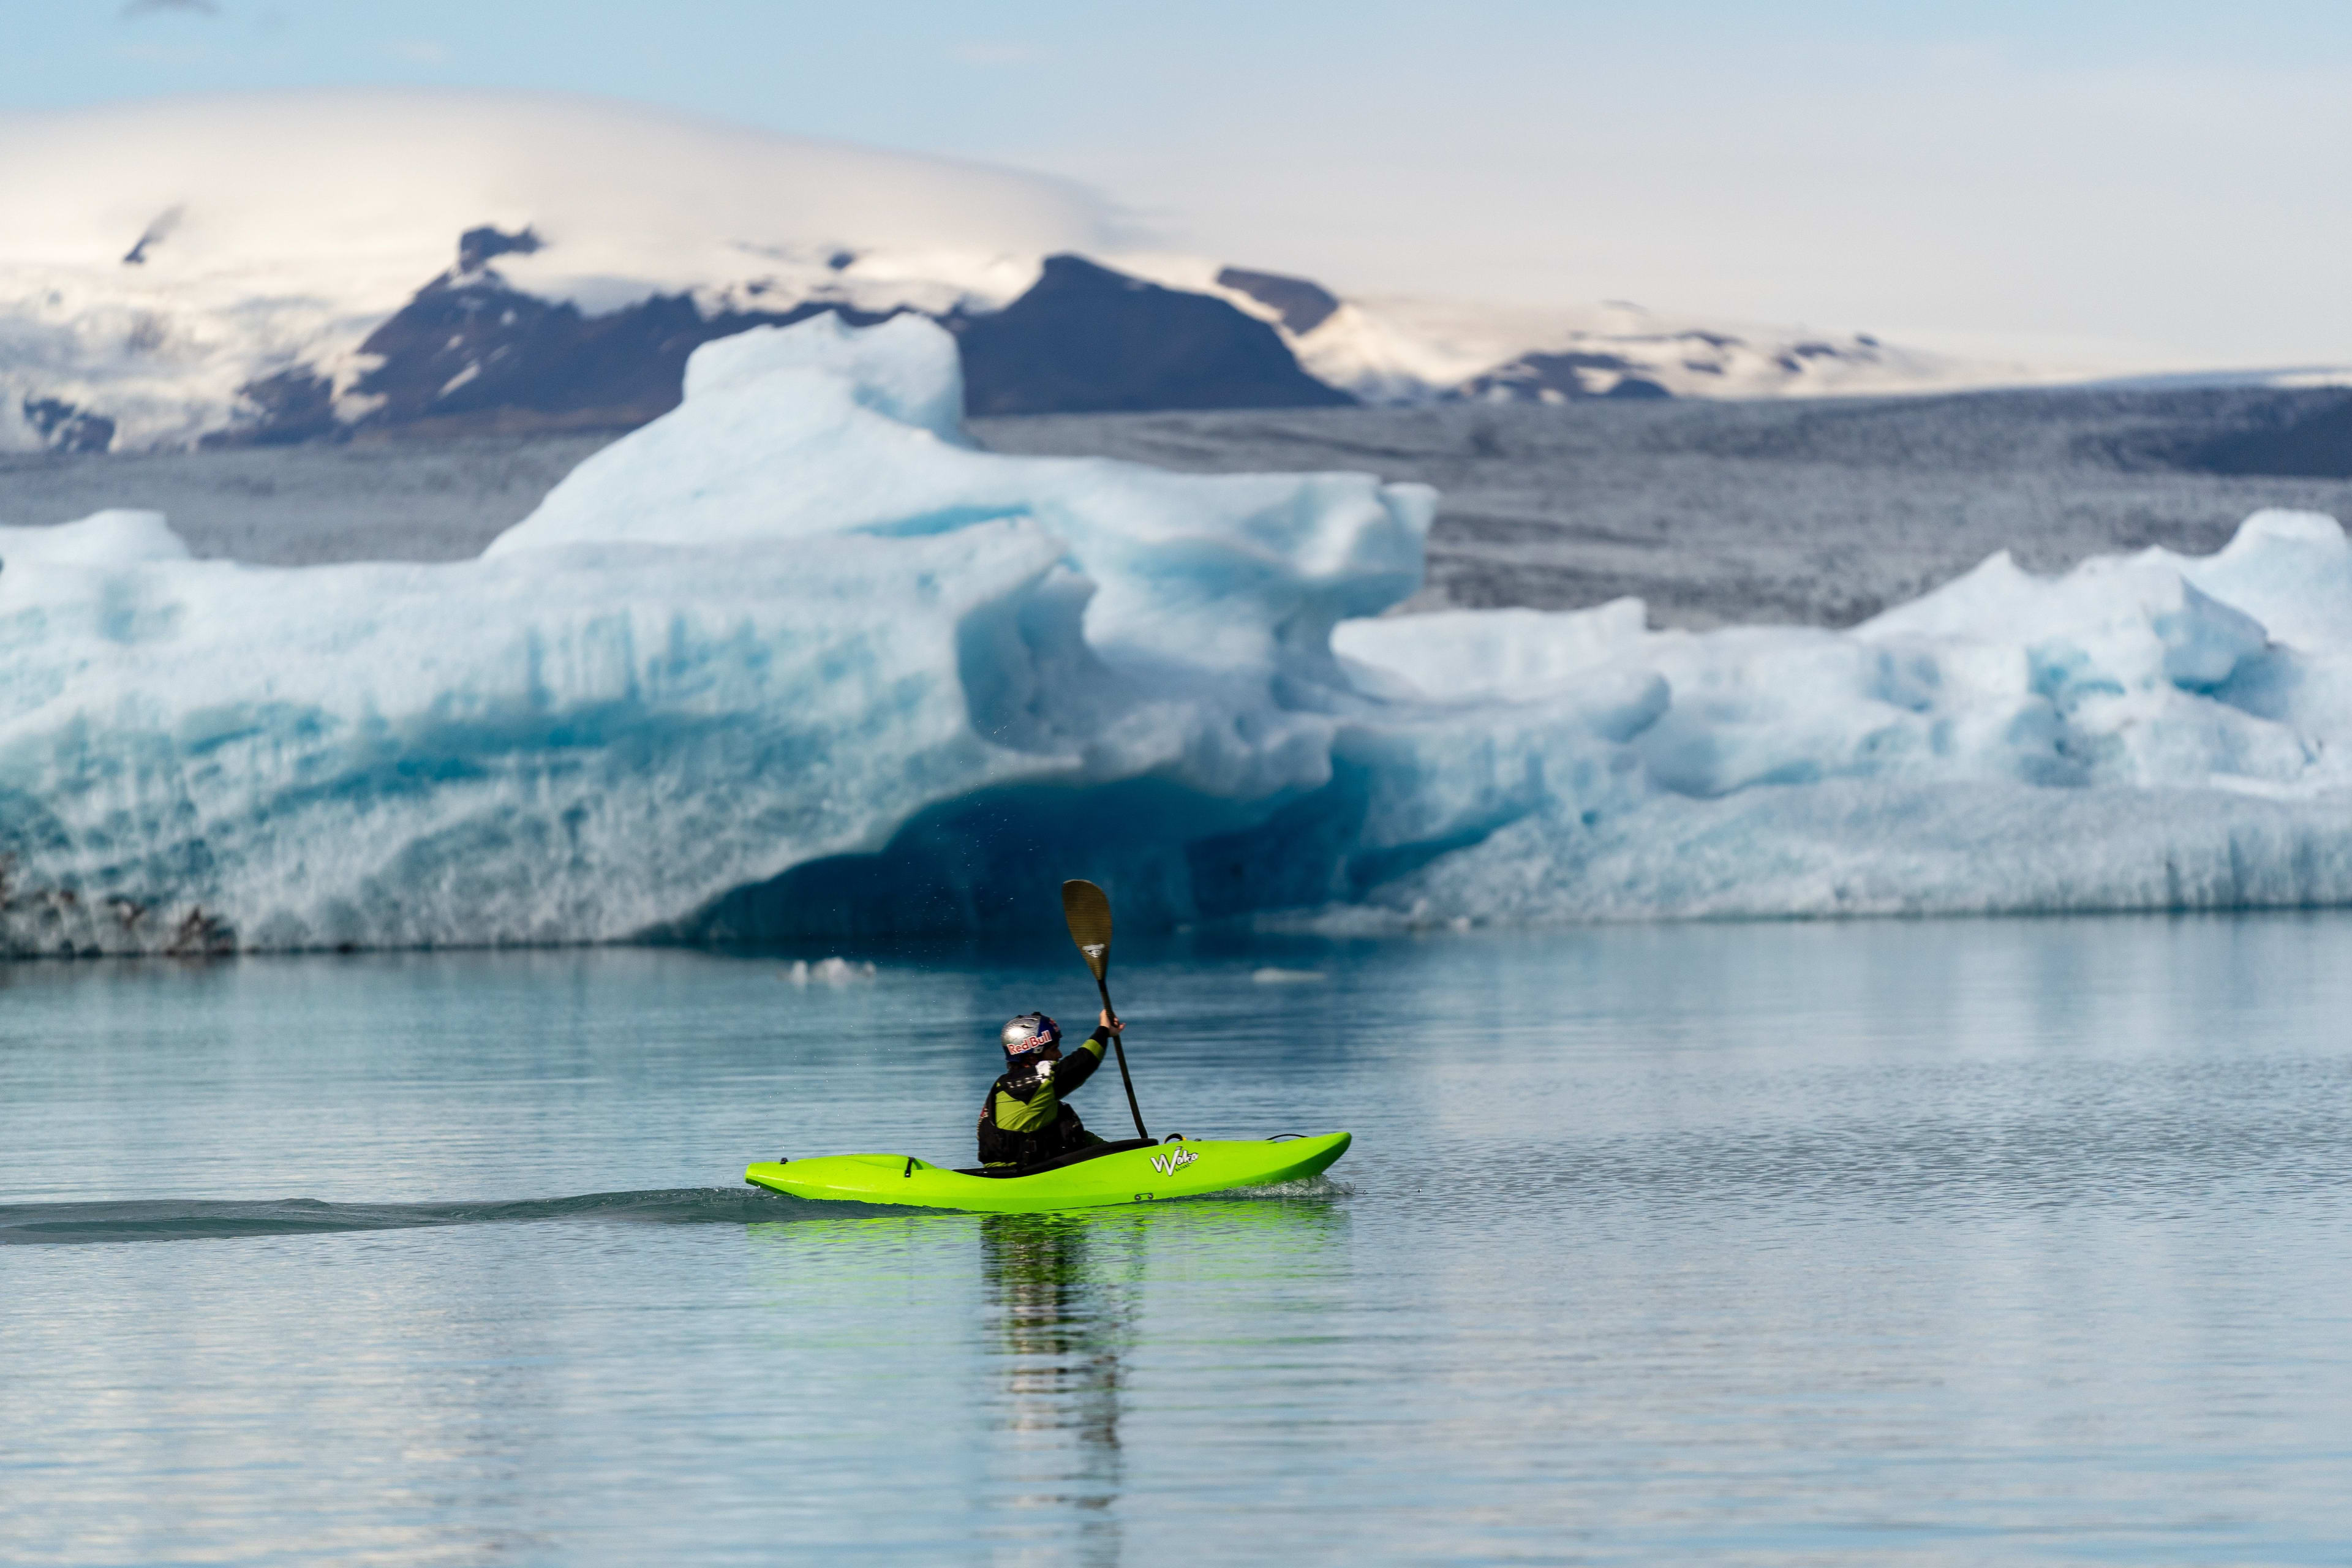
{"x": 1080, "y": 1065}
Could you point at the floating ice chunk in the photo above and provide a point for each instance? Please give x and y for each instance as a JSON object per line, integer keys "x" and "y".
{"x": 794, "y": 660}
{"x": 776, "y": 628}
{"x": 904, "y": 370}
{"x": 791, "y": 434}
{"x": 2292, "y": 571}
{"x": 2123, "y": 735}
{"x": 1863, "y": 846}
{"x": 119, "y": 538}
{"x": 573, "y": 747}
{"x": 2113, "y": 624}
{"x": 1493, "y": 655}
{"x": 834, "y": 971}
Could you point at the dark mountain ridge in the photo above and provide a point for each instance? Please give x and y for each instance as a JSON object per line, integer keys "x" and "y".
{"x": 472, "y": 354}
{"x": 1086, "y": 340}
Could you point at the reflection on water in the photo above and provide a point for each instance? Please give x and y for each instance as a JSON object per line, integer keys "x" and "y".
{"x": 1012, "y": 1363}
{"x": 1058, "y": 1312}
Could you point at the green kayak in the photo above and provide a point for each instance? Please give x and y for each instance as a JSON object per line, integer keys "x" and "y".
{"x": 1140, "y": 1172}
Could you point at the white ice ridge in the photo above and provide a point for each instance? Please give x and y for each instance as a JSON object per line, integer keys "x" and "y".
{"x": 798, "y": 658}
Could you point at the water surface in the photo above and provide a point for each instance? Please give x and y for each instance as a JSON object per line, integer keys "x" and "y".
{"x": 1905, "y": 1242}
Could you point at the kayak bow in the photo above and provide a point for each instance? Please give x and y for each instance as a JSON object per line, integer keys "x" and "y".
{"x": 1176, "y": 1169}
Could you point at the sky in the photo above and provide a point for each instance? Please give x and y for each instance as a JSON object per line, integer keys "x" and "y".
{"x": 2147, "y": 182}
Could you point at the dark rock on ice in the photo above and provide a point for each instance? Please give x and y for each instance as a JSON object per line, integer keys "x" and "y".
{"x": 1303, "y": 305}
{"x": 1563, "y": 377}
{"x": 154, "y": 233}
{"x": 290, "y": 407}
{"x": 476, "y": 248}
{"x": 1086, "y": 338}
{"x": 63, "y": 427}
{"x": 474, "y": 354}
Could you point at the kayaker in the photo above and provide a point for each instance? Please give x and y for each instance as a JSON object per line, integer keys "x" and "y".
{"x": 1023, "y": 1120}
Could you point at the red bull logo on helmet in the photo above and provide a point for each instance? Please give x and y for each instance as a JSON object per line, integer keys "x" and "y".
{"x": 1030, "y": 1032}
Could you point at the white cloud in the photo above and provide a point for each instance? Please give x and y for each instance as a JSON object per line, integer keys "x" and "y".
{"x": 2184, "y": 208}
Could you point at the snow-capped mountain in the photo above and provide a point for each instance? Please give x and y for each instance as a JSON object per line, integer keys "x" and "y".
{"x": 283, "y": 268}
{"x": 159, "y": 260}
{"x": 1398, "y": 348}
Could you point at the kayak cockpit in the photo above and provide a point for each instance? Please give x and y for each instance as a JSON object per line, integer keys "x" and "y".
{"x": 1074, "y": 1157}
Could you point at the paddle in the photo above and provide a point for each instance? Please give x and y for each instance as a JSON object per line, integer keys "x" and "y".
{"x": 1087, "y": 909}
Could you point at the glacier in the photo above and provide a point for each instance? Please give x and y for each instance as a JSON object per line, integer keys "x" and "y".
{"x": 798, "y": 659}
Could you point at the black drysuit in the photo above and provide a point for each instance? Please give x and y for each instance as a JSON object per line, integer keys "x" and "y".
{"x": 1024, "y": 1120}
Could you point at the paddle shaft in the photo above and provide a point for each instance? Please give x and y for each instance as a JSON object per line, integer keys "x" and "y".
{"x": 1120, "y": 1049}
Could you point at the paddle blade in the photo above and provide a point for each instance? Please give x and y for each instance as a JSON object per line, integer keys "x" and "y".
{"x": 1087, "y": 909}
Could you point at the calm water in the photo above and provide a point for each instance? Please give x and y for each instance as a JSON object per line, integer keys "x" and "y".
{"x": 1966, "y": 1242}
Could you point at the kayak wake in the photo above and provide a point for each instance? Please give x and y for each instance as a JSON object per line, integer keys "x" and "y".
{"x": 194, "y": 1219}
{"x": 207, "y": 1219}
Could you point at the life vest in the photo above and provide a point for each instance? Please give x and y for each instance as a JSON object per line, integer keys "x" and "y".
{"x": 1051, "y": 1127}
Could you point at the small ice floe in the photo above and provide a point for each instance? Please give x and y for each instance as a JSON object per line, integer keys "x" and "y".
{"x": 827, "y": 972}
{"x": 1272, "y": 976}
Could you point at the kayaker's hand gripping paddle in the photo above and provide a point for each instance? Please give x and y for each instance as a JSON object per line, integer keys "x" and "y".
{"x": 1087, "y": 909}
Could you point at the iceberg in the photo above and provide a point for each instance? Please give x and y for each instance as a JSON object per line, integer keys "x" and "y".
{"x": 797, "y": 660}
